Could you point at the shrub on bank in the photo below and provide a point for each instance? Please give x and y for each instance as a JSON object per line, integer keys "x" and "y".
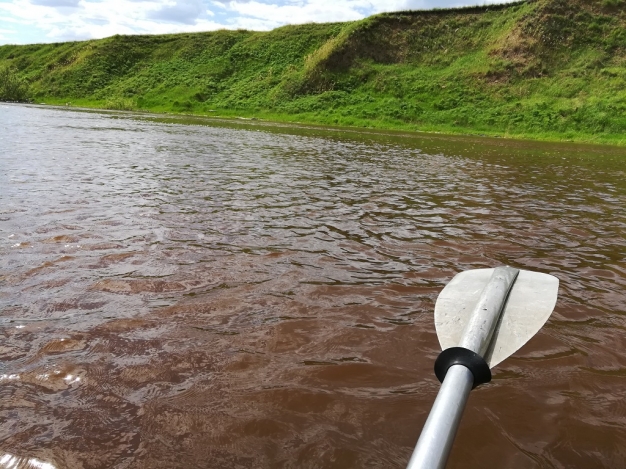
{"x": 12, "y": 87}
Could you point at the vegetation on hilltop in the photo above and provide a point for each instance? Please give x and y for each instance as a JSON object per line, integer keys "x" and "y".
{"x": 552, "y": 69}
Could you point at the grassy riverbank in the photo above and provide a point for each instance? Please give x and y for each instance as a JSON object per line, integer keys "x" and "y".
{"x": 545, "y": 69}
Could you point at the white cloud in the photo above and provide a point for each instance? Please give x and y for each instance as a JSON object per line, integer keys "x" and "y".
{"x": 56, "y": 3}
{"x": 303, "y": 12}
{"x": 181, "y": 11}
{"x": 6, "y": 33}
{"x": 60, "y": 20}
{"x": 90, "y": 20}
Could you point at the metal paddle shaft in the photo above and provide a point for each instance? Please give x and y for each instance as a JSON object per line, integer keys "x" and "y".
{"x": 435, "y": 442}
{"x": 484, "y": 319}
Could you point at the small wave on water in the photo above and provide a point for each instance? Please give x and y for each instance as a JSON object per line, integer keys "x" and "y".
{"x": 243, "y": 296}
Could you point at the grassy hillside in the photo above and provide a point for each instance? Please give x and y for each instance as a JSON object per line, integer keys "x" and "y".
{"x": 549, "y": 69}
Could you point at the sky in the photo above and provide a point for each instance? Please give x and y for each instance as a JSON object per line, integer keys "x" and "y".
{"x": 37, "y": 21}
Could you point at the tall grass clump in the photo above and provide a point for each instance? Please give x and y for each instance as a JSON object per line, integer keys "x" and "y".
{"x": 12, "y": 87}
{"x": 121, "y": 104}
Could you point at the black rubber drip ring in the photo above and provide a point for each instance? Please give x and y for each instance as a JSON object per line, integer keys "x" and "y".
{"x": 462, "y": 356}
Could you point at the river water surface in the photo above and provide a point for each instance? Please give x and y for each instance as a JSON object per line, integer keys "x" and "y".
{"x": 179, "y": 294}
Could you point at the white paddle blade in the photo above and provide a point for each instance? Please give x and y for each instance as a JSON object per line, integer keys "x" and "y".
{"x": 528, "y": 307}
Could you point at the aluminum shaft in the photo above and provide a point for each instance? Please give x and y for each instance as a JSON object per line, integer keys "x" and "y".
{"x": 485, "y": 316}
{"x": 435, "y": 442}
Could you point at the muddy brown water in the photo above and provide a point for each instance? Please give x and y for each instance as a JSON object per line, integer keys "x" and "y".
{"x": 184, "y": 294}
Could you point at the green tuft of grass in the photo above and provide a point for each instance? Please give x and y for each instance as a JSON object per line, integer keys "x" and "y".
{"x": 121, "y": 104}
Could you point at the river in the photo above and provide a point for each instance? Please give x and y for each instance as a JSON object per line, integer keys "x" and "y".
{"x": 188, "y": 293}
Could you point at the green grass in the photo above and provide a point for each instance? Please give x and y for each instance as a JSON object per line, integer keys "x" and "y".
{"x": 546, "y": 69}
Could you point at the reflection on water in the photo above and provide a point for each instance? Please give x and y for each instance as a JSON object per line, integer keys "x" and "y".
{"x": 8, "y": 461}
{"x": 250, "y": 296}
